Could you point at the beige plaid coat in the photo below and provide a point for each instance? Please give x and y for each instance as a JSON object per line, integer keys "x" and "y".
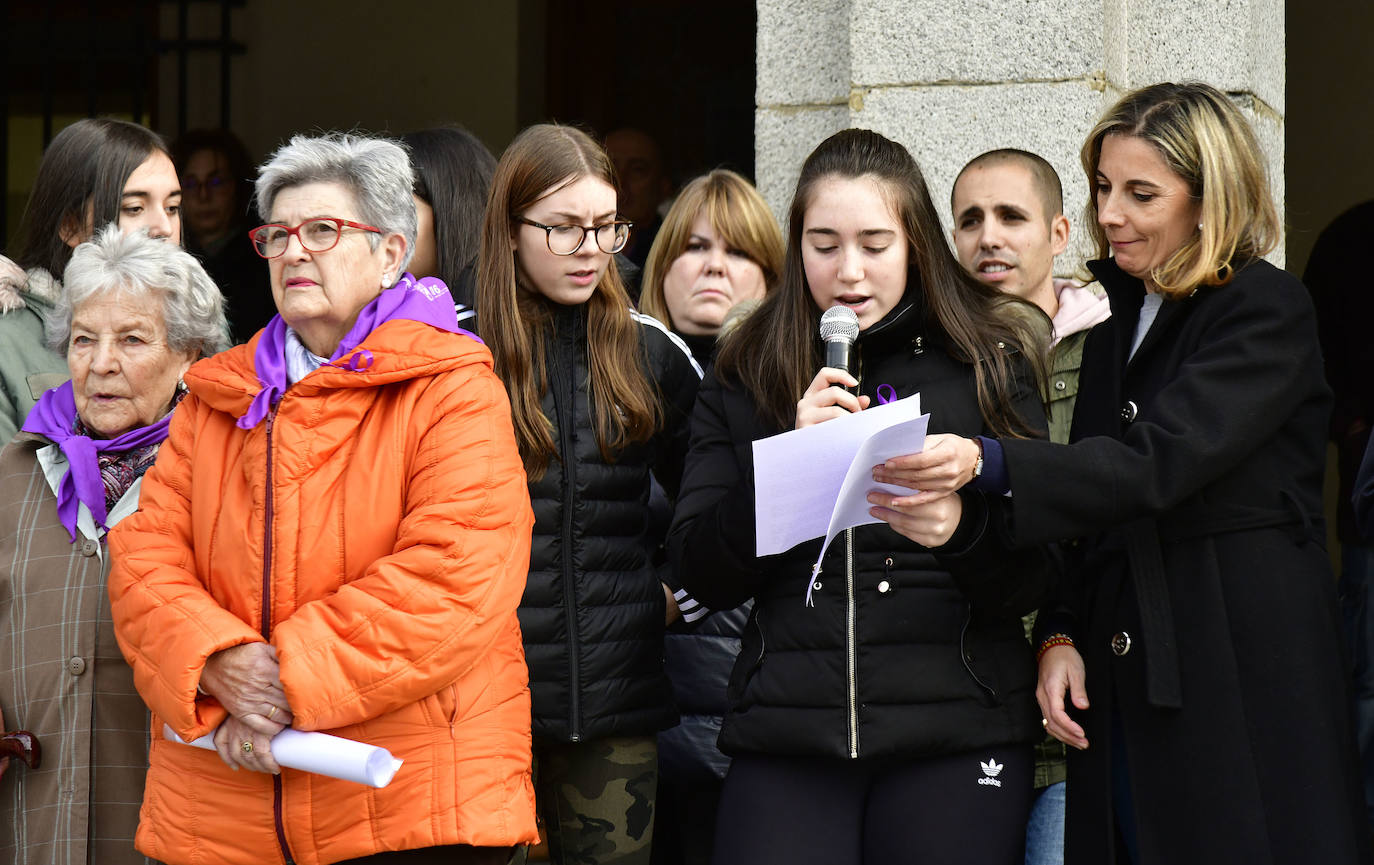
{"x": 63, "y": 679}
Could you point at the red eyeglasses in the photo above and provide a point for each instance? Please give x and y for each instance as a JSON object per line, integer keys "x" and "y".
{"x": 316, "y": 235}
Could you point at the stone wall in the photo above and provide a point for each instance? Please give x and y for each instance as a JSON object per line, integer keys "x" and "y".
{"x": 953, "y": 78}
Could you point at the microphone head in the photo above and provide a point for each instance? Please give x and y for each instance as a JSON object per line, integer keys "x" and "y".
{"x": 839, "y": 324}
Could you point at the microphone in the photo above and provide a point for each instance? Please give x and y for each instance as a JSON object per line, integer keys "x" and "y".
{"x": 839, "y": 330}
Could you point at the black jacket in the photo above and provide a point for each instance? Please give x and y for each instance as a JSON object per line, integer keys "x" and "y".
{"x": 1363, "y": 497}
{"x": 910, "y": 651}
{"x": 1194, "y": 478}
{"x": 699, "y": 650}
{"x": 699, "y": 656}
{"x": 592, "y": 612}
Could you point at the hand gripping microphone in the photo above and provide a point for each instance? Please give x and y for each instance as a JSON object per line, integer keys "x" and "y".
{"x": 839, "y": 330}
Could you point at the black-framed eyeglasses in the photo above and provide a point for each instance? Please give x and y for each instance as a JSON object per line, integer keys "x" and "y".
{"x": 567, "y": 239}
{"x": 316, "y": 235}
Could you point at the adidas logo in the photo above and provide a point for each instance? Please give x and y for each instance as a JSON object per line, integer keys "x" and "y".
{"x": 991, "y": 769}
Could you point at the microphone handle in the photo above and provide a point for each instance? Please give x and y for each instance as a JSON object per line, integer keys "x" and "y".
{"x": 837, "y": 352}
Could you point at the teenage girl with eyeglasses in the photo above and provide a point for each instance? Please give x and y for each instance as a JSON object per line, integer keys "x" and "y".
{"x": 600, "y": 396}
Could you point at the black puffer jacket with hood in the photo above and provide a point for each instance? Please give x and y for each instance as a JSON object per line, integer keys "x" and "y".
{"x": 592, "y": 613}
{"x": 907, "y": 651}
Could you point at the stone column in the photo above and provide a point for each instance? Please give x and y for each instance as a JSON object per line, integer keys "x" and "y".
{"x": 953, "y": 78}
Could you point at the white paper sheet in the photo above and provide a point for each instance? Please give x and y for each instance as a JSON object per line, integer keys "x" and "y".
{"x": 852, "y": 505}
{"x": 814, "y": 482}
{"x": 321, "y": 754}
{"x": 798, "y": 474}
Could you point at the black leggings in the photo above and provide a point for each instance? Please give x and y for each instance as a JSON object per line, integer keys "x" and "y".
{"x": 942, "y": 810}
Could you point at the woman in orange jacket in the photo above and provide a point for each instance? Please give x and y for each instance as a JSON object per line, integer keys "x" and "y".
{"x": 335, "y": 538}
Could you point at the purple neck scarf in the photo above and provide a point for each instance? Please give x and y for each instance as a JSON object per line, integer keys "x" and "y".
{"x": 426, "y": 300}
{"x": 54, "y": 417}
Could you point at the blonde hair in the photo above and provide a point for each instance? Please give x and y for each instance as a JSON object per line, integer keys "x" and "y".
{"x": 735, "y": 211}
{"x": 1207, "y": 142}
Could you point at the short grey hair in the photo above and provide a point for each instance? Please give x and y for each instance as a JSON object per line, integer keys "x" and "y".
{"x": 142, "y": 266}
{"x": 376, "y": 170}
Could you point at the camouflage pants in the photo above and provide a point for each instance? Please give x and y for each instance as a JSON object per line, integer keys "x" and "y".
{"x": 597, "y": 799}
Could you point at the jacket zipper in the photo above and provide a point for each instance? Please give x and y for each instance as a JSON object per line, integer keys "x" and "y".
{"x": 569, "y": 458}
{"x": 851, "y": 637}
{"x": 850, "y": 649}
{"x": 266, "y": 626}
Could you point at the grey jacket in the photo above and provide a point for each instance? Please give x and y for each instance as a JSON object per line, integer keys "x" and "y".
{"x": 27, "y": 367}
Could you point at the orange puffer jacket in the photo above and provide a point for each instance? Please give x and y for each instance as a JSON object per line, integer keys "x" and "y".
{"x": 397, "y": 520}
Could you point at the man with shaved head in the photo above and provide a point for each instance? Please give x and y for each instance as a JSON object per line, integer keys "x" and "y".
{"x": 1009, "y": 225}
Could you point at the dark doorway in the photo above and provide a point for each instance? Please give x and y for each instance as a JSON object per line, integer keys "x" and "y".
{"x": 682, "y": 72}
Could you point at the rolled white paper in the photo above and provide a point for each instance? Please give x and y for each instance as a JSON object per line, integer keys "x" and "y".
{"x": 321, "y": 754}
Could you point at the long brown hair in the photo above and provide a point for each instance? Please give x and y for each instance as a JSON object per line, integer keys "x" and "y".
{"x": 775, "y": 352}
{"x": 515, "y": 319}
{"x": 1203, "y": 137}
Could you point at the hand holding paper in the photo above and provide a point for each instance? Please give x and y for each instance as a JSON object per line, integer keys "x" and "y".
{"x": 944, "y": 466}
{"x": 320, "y": 753}
{"x": 930, "y": 523}
{"x": 814, "y": 482}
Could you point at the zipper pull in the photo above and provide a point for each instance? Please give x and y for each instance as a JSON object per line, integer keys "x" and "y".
{"x": 814, "y": 585}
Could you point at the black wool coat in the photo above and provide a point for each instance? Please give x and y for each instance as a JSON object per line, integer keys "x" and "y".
{"x": 1193, "y": 479}
{"x": 907, "y": 652}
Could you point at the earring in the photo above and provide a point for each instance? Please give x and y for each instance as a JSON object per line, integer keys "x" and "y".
{"x": 386, "y": 280}
{"x": 1199, "y": 226}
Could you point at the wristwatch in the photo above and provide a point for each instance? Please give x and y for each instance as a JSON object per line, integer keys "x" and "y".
{"x": 978, "y": 466}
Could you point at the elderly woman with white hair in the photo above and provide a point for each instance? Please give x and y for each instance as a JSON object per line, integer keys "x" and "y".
{"x": 134, "y": 315}
{"x": 335, "y": 539}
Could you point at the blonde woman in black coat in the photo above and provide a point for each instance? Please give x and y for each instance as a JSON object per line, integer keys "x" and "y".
{"x": 1194, "y": 661}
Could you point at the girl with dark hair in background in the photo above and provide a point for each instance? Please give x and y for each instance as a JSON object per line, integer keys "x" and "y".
{"x": 600, "y": 397}
{"x": 95, "y": 172}
{"x": 893, "y": 720}
{"x": 453, "y": 172}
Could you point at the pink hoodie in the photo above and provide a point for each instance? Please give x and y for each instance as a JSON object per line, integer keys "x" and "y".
{"x": 1079, "y": 309}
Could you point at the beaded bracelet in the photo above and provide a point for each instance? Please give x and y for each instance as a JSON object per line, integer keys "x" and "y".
{"x": 1050, "y": 642}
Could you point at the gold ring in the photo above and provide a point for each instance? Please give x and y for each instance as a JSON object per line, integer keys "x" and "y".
{"x": 247, "y": 747}
{"x": 271, "y": 710}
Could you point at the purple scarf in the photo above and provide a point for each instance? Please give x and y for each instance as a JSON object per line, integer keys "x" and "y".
{"x": 54, "y": 417}
{"x": 426, "y": 300}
